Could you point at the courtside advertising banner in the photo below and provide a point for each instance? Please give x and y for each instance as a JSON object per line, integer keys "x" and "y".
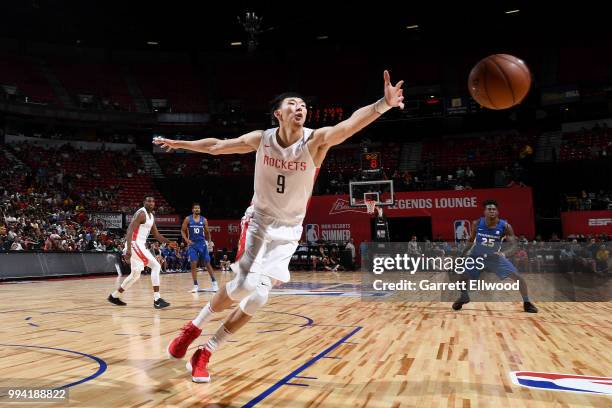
{"x": 587, "y": 222}
{"x": 162, "y": 219}
{"x": 224, "y": 233}
{"x": 331, "y": 218}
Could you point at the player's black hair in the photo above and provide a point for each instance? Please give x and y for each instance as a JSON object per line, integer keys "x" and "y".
{"x": 148, "y": 196}
{"x": 194, "y": 204}
{"x": 278, "y": 100}
{"x": 489, "y": 202}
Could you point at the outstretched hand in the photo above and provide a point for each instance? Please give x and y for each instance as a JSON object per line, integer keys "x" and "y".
{"x": 393, "y": 94}
{"x": 167, "y": 144}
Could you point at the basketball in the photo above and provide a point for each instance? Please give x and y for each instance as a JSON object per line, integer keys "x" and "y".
{"x": 499, "y": 81}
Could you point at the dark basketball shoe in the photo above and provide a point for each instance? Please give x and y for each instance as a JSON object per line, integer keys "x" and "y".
{"x": 529, "y": 307}
{"x": 116, "y": 301}
{"x": 160, "y": 303}
{"x": 460, "y": 302}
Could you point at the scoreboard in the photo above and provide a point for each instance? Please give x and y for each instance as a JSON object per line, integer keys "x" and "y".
{"x": 371, "y": 161}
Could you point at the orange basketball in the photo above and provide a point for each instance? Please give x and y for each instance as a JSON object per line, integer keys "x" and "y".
{"x": 499, "y": 81}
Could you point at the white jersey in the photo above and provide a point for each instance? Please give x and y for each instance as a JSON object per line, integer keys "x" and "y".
{"x": 284, "y": 178}
{"x": 141, "y": 231}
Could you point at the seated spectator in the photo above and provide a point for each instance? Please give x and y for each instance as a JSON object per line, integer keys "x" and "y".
{"x": 521, "y": 259}
{"x": 225, "y": 264}
{"x": 602, "y": 257}
{"x": 16, "y": 246}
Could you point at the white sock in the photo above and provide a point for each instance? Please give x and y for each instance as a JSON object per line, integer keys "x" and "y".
{"x": 203, "y": 316}
{"x": 156, "y": 295}
{"x": 116, "y": 294}
{"x": 220, "y": 337}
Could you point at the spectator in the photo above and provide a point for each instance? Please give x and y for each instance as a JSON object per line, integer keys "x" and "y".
{"x": 225, "y": 264}
{"x": 413, "y": 246}
{"x": 16, "y": 246}
{"x": 350, "y": 246}
{"x": 602, "y": 257}
{"x": 521, "y": 259}
{"x": 584, "y": 202}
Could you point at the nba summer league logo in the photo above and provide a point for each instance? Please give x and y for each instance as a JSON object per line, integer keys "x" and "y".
{"x": 563, "y": 382}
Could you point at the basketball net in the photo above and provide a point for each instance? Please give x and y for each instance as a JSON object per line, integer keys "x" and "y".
{"x": 370, "y": 205}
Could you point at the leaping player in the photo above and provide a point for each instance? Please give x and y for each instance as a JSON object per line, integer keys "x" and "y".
{"x": 193, "y": 230}
{"x": 485, "y": 241}
{"x": 288, "y": 158}
{"x": 139, "y": 256}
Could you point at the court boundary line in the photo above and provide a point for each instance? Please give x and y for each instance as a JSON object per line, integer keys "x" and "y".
{"x": 294, "y": 373}
{"x": 102, "y": 365}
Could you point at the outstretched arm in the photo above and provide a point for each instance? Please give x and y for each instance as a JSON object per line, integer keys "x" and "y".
{"x": 244, "y": 144}
{"x": 331, "y": 136}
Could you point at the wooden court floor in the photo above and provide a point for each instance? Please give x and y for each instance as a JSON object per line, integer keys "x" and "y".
{"x": 304, "y": 349}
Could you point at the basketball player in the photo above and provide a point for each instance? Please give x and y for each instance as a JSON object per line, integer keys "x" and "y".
{"x": 288, "y": 158}
{"x": 485, "y": 241}
{"x": 135, "y": 252}
{"x": 193, "y": 230}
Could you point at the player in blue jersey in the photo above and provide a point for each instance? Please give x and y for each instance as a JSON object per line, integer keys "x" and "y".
{"x": 194, "y": 229}
{"x": 486, "y": 239}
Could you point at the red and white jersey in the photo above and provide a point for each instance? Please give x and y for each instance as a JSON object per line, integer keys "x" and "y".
{"x": 141, "y": 231}
{"x": 284, "y": 178}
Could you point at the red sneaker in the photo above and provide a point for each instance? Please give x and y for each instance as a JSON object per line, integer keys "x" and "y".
{"x": 178, "y": 347}
{"x": 197, "y": 365}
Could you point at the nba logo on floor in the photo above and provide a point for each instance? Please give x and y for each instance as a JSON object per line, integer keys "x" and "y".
{"x": 563, "y": 382}
{"x": 463, "y": 228}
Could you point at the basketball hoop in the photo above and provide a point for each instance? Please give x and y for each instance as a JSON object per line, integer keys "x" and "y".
{"x": 370, "y": 205}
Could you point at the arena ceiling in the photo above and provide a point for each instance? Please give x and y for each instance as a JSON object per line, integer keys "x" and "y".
{"x": 182, "y": 25}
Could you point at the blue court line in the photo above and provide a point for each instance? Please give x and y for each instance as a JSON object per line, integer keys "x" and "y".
{"x": 101, "y": 363}
{"x": 301, "y": 385}
{"x": 309, "y": 321}
{"x": 289, "y": 324}
{"x": 303, "y": 367}
{"x": 33, "y": 324}
{"x": 269, "y": 331}
{"x": 307, "y": 378}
